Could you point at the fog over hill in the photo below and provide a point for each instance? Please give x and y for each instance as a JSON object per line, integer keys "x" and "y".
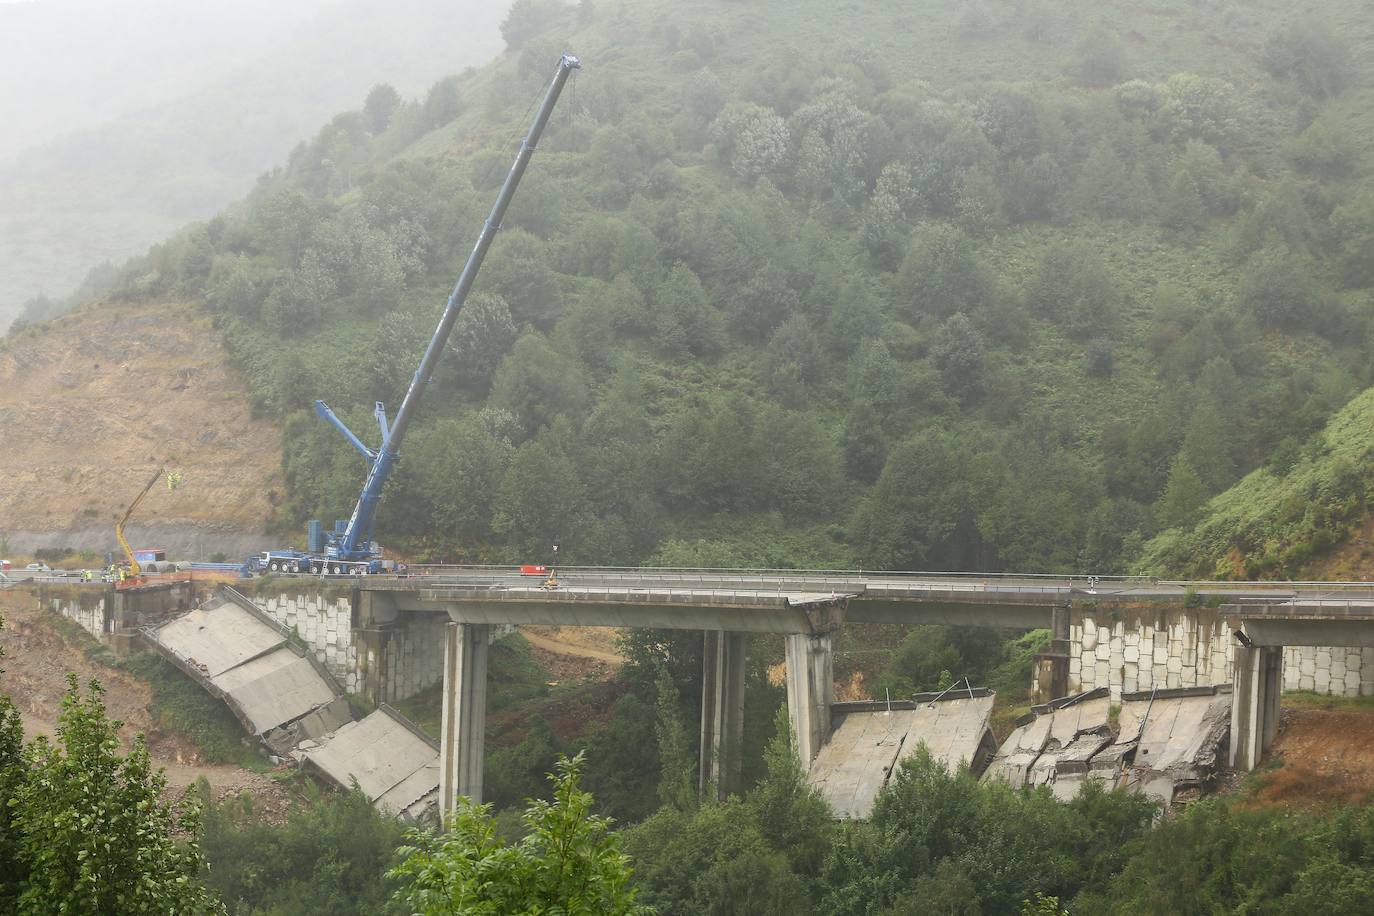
{"x": 69, "y": 65}
{"x": 127, "y": 119}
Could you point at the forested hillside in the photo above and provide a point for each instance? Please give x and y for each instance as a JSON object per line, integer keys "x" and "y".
{"x": 993, "y": 285}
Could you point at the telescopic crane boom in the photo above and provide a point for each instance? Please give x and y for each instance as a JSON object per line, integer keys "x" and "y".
{"x": 118, "y": 526}
{"x": 353, "y": 544}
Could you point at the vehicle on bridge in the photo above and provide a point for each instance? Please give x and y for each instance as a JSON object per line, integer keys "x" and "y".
{"x": 348, "y": 549}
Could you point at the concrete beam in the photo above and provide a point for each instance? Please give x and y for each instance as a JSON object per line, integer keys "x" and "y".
{"x": 867, "y": 609}
{"x": 810, "y": 692}
{"x": 1271, "y": 632}
{"x": 781, "y": 618}
{"x": 722, "y": 712}
{"x": 462, "y": 741}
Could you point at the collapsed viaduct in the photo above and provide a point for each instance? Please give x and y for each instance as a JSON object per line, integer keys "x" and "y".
{"x": 387, "y": 637}
{"x": 1121, "y": 633}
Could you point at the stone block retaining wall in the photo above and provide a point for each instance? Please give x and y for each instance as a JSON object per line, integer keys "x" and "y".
{"x": 1192, "y": 647}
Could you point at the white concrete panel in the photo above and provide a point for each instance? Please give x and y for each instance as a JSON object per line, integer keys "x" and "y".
{"x": 217, "y": 636}
{"x": 275, "y": 689}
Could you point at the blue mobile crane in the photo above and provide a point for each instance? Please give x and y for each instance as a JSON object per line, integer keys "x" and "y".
{"x": 349, "y": 548}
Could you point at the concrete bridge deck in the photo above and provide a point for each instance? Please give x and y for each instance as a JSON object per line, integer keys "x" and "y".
{"x": 1126, "y": 634}
{"x": 797, "y": 602}
{"x": 1180, "y": 634}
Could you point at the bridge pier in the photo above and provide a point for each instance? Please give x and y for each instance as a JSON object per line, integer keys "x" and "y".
{"x": 462, "y": 740}
{"x": 810, "y": 691}
{"x": 722, "y": 711}
{"x": 1255, "y": 703}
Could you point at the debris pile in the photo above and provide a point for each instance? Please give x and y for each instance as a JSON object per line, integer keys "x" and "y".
{"x": 1168, "y": 741}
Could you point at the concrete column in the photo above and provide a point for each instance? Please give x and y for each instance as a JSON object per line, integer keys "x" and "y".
{"x": 1255, "y": 703}
{"x": 810, "y": 691}
{"x": 371, "y": 643}
{"x": 722, "y": 711}
{"x": 1052, "y": 664}
{"x": 1273, "y": 686}
{"x": 463, "y": 728}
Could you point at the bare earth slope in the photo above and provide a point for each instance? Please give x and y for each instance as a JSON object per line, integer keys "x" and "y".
{"x": 93, "y": 403}
{"x": 37, "y": 662}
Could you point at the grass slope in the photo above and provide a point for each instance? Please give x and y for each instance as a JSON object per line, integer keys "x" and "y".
{"x": 1274, "y": 522}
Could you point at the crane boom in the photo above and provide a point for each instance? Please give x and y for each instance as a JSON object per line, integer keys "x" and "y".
{"x": 355, "y": 543}
{"x": 134, "y": 568}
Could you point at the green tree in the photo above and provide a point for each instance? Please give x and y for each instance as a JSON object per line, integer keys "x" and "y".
{"x": 766, "y": 301}
{"x": 677, "y": 782}
{"x": 831, "y": 136}
{"x": 1278, "y": 288}
{"x": 1073, "y": 285}
{"x": 791, "y": 814}
{"x": 863, "y": 442}
{"x": 328, "y": 859}
{"x": 1311, "y": 55}
{"x": 713, "y": 860}
{"x": 959, "y": 353}
{"x": 1183, "y": 208}
{"x": 751, "y": 139}
{"x": 90, "y": 827}
{"x": 537, "y": 383}
{"x": 568, "y": 862}
{"x": 542, "y": 501}
{"x": 923, "y": 513}
{"x": 1099, "y": 58}
{"x": 528, "y": 18}
{"x": 1352, "y": 227}
{"x": 520, "y": 270}
{"x": 793, "y": 362}
{"x": 941, "y": 274}
{"x": 379, "y": 107}
{"x": 686, "y": 322}
{"x": 1184, "y": 494}
{"x": 482, "y": 336}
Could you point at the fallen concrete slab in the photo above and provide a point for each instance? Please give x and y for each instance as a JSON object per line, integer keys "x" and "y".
{"x": 1052, "y": 744}
{"x": 1168, "y": 741}
{"x": 393, "y": 763}
{"x": 245, "y": 659}
{"x": 282, "y": 695}
{"x": 870, "y": 739}
{"x": 274, "y": 689}
{"x": 217, "y": 636}
{"x": 1179, "y": 736}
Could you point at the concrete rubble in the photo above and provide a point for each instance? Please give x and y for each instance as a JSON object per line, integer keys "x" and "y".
{"x": 282, "y": 694}
{"x": 869, "y": 740}
{"x": 1168, "y": 741}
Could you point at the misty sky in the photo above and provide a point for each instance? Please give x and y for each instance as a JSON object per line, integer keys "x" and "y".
{"x": 126, "y": 119}
{"x": 70, "y": 64}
